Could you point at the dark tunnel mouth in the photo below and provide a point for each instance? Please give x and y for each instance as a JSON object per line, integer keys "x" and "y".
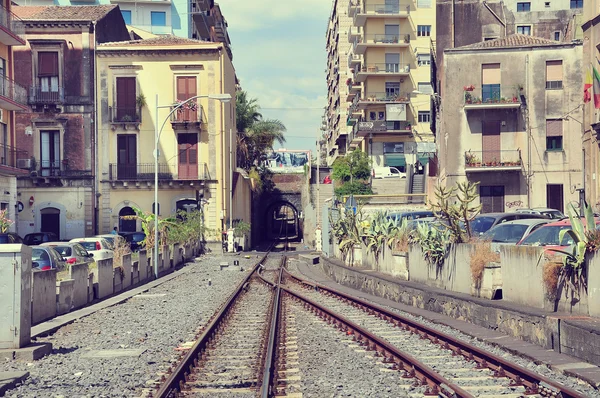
{"x": 282, "y": 221}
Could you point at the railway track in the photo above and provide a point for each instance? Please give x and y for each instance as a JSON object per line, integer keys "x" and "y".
{"x": 249, "y": 347}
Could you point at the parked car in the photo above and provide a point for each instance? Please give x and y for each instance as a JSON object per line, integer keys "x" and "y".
{"x": 37, "y": 238}
{"x": 45, "y": 258}
{"x": 484, "y": 222}
{"x": 512, "y": 232}
{"x": 111, "y": 238}
{"x": 72, "y": 253}
{"x": 98, "y": 247}
{"x": 134, "y": 239}
{"x": 548, "y": 235}
{"x": 10, "y": 237}
{"x": 411, "y": 215}
{"x": 387, "y": 172}
{"x": 552, "y": 214}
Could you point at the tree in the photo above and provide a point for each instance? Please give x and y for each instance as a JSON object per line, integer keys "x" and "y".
{"x": 246, "y": 111}
{"x": 355, "y": 164}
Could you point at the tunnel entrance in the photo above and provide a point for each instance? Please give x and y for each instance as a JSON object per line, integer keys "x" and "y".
{"x": 282, "y": 222}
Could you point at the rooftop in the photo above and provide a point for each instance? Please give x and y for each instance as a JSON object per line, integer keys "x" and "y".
{"x": 62, "y": 13}
{"x": 164, "y": 40}
{"x": 511, "y": 41}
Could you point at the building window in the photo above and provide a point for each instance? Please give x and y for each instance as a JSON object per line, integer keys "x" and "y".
{"x": 547, "y": 4}
{"x": 126, "y": 16}
{"x": 392, "y": 89}
{"x": 554, "y": 196}
{"x": 521, "y": 7}
{"x": 557, "y": 36}
{"x": 576, "y": 4}
{"x": 554, "y": 135}
{"x": 424, "y": 117}
{"x": 424, "y": 88}
{"x": 554, "y": 75}
{"x": 372, "y": 115}
{"x": 492, "y": 198}
{"x": 158, "y": 18}
{"x": 393, "y": 147}
{"x": 423, "y": 3}
{"x": 50, "y": 152}
{"x": 423, "y": 59}
{"x": 423, "y": 30}
{"x": 524, "y": 30}
{"x": 126, "y": 96}
{"x": 381, "y": 115}
{"x": 490, "y": 82}
{"x": 47, "y": 73}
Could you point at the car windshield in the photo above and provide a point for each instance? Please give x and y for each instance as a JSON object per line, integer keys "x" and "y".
{"x": 110, "y": 241}
{"x": 88, "y": 245}
{"x": 481, "y": 224}
{"x": 34, "y": 239}
{"x": 64, "y": 251}
{"x": 506, "y": 233}
{"x": 39, "y": 255}
{"x": 137, "y": 237}
{"x": 553, "y": 214}
{"x": 548, "y": 236}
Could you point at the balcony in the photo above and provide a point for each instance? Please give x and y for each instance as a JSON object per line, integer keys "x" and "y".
{"x": 481, "y": 161}
{"x": 381, "y": 41}
{"x": 354, "y": 88}
{"x": 39, "y": 96}
{"x": 12, "y": 28}
{"x": 493, "y": 96}
{"x": 354, "y": 33}
{"x": 383, "y": 69}
{"x": 354, "y": 60}
{"x": 13, "y": 161}
{"x": 57, "y": 169}
{"x": 186, "y": 118}
{"x": 125, "y": 115}
{"x": 353, "y": 7}
{"x": 364, "y": 127}
{"x": 383, "y": 98}
{"x": 13, "y": 96}
{"x": 381, "y": 11}
{"x": 144, "y": 172}
{"x": 203, "y": 22}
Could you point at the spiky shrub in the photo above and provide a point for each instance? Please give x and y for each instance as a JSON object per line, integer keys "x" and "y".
{"x": 379, "y": 231}
{"x": 347, "y": 230}
{"x": 481, "y": 255}
{"x": 433, "y": 242}
{"x": 456, "y": 207}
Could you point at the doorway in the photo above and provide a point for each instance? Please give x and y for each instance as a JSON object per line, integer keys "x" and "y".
{"x": 50, "y": 220}
{"x": 126, "y": 156}
{"x": 492, "y": 198}
{"x": 554, "y": 197}
{"x": 126, "y": 225}
{"x": 187, "y": 144}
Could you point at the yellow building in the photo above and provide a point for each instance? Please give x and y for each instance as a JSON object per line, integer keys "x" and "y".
{"x": 195, "y": 155}
{"x": 390, "y": 82}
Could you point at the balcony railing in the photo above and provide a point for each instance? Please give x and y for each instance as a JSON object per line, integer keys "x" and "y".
{"x": 12, "y": 23}
{"x": 391, "y": 67}
{"x": 385, "y": 39}
{"x": 494, "y": 159}
{"x": 492, "y": 94}
{"x": 145, "y": 172}
{"x": 125, "y": 115}
{"x": 13, "y": 92}
{"x": 367, "y": 126}
{"x": 38, "y": 95}
{"x": 186, "y": 116}
{"x": 386, "y": 97}
{"x": 13, "y": 157}
{"x": 382, "y": 8}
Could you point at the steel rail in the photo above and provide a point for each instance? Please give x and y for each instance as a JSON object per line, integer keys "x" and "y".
{"x": 436, "y": 384}
{"x": 533, "y": 382}
{"x": 177, "y": 378}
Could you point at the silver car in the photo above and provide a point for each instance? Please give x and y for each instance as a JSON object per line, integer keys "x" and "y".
{"x": 511, "y": 232}
{"x": 45, "y": 258}
{"x": 72, "y": 253}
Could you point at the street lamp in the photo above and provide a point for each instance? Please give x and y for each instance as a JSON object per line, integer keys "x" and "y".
{"x": 219, "y": 97}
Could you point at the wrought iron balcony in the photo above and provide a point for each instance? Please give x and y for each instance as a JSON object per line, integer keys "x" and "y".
{"x": 381, "y": 40}
{"x": 385, "y": 97}
{"x": 185, "y": 117}
{"x": 12, "y": 28}
{"x": 13, "y": 96}
{"x": 392, "y": 69}
{"x": 492, "y": 96}
{"x": 46, "y": 96}
{"x": 380, "y": 10}
{"x": 501, "y": 160}
{"x": 125, "y": 115}
{"x": 166, "y": 172}
{"x": 14, "y": 158}
{"x": 57, "y": 169}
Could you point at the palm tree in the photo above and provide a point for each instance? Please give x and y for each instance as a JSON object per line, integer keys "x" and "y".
{"x": 246, "y": 111}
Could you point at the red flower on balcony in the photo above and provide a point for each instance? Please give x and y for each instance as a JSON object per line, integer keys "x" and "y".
{"x": 469, "y": 88}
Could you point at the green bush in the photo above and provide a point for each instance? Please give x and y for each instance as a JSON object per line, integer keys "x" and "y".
{"x": 353, "y": 188}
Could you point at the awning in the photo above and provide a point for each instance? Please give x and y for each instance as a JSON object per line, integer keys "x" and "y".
{"x": 424, "y": 158}
{"x": 395, "y": 159}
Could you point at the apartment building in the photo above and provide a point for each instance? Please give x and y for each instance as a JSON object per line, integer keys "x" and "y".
{"x": 209, "y": 24}
{"x": 13, "y": 98}
{"x": 512, "y": 121}
{"x": 389, "y": 83}
{"x": 58, "y": 129}
{"x": 197, "y": 144}
{"x": 591, "y": 106}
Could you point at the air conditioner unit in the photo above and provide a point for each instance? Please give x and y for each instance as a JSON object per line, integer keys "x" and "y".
{"x": 24, "y": 163}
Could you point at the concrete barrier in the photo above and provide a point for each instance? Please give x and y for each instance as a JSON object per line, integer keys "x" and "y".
{"x": 453, "y": 274}
{"x": 79, "y": 273}
{"x": 143, "y": 265}
{"x": 126, "y": 261}
{"x": 594, "y": 286}
{"x": 135, "y": 273}
{"x": 117, "y": 279}
{"x": 43, "y": 296}
{"x": 64, "y": 296}
{"x": 522, "y": 280}
{"x": 90, "y": 288}
{"x": 104, "y": 278}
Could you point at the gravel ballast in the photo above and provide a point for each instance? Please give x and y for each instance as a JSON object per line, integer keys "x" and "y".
{"x": 142, "y": 334}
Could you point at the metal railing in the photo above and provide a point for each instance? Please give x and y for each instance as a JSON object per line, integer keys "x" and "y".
{"x": 498, "y": 158}
{"x": 10, "y": 21}
{"x": 37, "y": 95}
{"x": 58, "y": 168}
{"x": 123, "y": 114}
{"x": 184, "y": 115}
{"x": 145, "y": 172}
{"x": 386, "y": 97}
{"x": 385, "y": 67}
{"x": 10, "y": 157}
{"x": 382, "y": 126}
{"x": 382, "y": 8}
{"x": 385, "y": 39}
{"x": 491, "y": 94}
{"x": 13, "y": 91}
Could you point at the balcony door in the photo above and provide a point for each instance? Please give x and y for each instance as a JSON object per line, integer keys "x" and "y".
{"x": 186, "y": 88}
{"x": 392, "y": 6}
{"x": 126, "y": 107}
{"x": 126, "y": 156}
{"x": 492, "y": 198}
{"x": 47, "y": 75}
{"x": 490, "y": 82}
{"x": 50, "y": 152}
{"x": 187, "y": 144}
{"x": 392, "y": 62}
{"x": 490, "y": 141}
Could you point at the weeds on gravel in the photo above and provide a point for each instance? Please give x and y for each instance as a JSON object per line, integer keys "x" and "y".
{"x": 481, "y": 256}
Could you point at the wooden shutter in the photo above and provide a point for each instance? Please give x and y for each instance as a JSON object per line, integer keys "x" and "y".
{"x": 554, "y": 128}
{"x": 554, "y": 71}
{"x": 490, "y": 74}
{"x": 47, "y": 63}
{"x": 126, "y": 105}
{"x": 490, "y": 141}
{"x": 186, "y": 88}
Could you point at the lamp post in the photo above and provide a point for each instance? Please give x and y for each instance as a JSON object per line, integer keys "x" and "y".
{"x": 157, "y": 132}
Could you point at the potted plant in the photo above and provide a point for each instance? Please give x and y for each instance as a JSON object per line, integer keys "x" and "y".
{"x": 469, "y": 88}
{"x": 349, "y": 81}
{"x": 140, "y": 101}
{"x": 468, "y": 97}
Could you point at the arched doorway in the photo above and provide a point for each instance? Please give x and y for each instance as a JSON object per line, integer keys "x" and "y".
{"x": 50, "y": 220}
{"x": 126, "y": 225}
{"x": 282, "y": 222}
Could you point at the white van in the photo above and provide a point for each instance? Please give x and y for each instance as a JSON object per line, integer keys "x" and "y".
{"x": 387, "y": 172}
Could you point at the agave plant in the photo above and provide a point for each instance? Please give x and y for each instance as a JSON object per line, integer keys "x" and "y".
{"x": 433, "y": 242}
{"x": 381, "y": 230}
{"x": 347, "y": 230}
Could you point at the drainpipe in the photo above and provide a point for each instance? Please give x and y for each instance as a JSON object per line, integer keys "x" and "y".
{"x": 223, "y": 146}
{"x": 452, "y": 25}
{"x": 95, "y": 199}
{"x": 528, "y": 130}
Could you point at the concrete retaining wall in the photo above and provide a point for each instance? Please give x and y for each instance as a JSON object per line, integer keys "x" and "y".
{"x": 64, "y": 296}
{"x": 43, "y": 296}
{"x": 143, "y": 265}
{"x": 79, "y": 273}
{"x": 126, "y": 261}
{"x": 104, "y": 278}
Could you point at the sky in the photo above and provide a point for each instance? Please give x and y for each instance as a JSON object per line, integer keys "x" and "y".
{"x": 279, "y": 56}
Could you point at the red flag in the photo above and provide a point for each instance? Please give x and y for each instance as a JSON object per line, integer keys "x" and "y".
{"x": 587, "y": 85}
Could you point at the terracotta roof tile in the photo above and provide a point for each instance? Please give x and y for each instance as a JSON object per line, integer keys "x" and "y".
{"x": 164, "y": 40}
{"x": 62, "y": 13}
{"x": 512, "y": 41}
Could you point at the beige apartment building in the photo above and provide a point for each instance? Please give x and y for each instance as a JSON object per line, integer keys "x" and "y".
{"x": 512, "y": 121}
{"x": 389, "y": 82}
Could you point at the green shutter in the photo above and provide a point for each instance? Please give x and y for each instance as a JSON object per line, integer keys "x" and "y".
{"x": 395, "y": 160}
